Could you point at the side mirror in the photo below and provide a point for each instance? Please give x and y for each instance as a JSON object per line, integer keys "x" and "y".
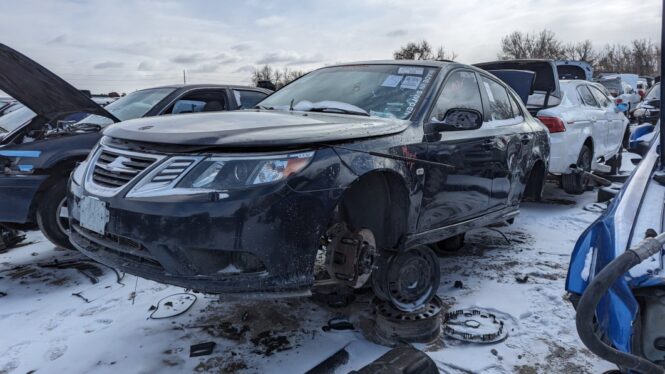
{"x": 457, "y": 119}
{"x": 622, "y": 107}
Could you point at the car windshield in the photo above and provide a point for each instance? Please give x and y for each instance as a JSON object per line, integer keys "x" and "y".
{"x": 13, "y": 120}
{"x": 390, "y": 91}
{"x": 134, "y": 105}
{"x": 654, "y": 93}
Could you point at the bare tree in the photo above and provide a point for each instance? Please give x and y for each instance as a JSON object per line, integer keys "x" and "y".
{"x": 519, "y": 45}
{"x": 422, "y": 51}
{"x": 279, "y": 78}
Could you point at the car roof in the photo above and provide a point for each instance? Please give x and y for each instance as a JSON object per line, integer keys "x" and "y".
{"x": 202, "y": 85}
{"x": 430, "y": 63}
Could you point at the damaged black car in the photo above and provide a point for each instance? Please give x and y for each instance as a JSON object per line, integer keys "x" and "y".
{"x": 40, "y": 143}
{"x": 357, "y": 169}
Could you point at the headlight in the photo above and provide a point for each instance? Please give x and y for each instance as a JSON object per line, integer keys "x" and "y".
{"x": 195, "y": 174}
{"x": 222, "y": 173}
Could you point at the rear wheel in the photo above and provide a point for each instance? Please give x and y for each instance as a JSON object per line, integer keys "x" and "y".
{"x": 575, "y": 183}
{"x": 408, "y": 279}
{"x": 53, "y": 216}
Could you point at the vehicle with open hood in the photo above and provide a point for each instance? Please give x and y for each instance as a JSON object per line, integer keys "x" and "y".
{"x": 40, "y": 144}
{"x": 586, "y": 128}
{"x": 365, "y": 164}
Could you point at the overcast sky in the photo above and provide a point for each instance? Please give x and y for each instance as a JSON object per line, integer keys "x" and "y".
{"x": 126, "y": 45}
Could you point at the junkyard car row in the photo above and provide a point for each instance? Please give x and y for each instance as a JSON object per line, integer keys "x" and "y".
{"x": 372, "y": 168}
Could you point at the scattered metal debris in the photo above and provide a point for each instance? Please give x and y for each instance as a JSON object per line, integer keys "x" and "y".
{"x": 401, "y": 360}
{"x": 10, "y": 238}
{"x": 172, "y": 306}
{"x": 338, "y": 323}
{"x": 474, "y": 326}
{"x": 596, "y": 207}
{"x": 78, "y": 294}
{"x": 89, "y": 269}
{"x": 201, "y": 349}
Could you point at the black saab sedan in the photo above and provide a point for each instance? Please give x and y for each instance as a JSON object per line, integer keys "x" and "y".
{"x": 363, "y": 166}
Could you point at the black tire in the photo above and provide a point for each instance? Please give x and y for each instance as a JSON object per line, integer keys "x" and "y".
{"x": 54, "y": 227}
{"x": 574, "y": 183}
{"x": 615, "y": 162}
{"x": 607, "y": 193}
{"x": 449, "y": 245}
{"x": 408, "y": 279}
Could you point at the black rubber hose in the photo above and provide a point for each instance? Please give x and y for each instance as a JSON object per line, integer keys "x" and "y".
{"x": 586, "y": 310}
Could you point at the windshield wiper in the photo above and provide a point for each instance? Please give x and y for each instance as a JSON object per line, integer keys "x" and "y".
{"x": 265, "y": 107}
{"x": 339, "y": 110}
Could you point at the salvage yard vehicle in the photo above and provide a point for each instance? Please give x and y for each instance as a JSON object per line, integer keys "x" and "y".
{"x": 366, "y": 162}
{"x": 615, "y": 275}
{"x": 586, "y": 128}
{"x": 648, "y": 110}
{"x": 38, "y": 150}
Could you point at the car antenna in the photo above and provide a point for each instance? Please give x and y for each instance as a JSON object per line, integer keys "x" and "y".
{"x": 291, "y": 105}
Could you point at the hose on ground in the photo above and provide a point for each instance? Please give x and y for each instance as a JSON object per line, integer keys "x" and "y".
{"x": 602, "y": 282}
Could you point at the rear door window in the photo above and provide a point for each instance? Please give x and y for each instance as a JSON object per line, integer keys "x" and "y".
{"x": 247, "y": 99}
{"x": 499, "y": 104}
{"x": 601, "y": 98}
{"x": 586, "y": 96}
{"x": 459, "y": 91}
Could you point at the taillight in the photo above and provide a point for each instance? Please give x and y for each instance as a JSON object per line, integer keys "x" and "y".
{"x": 618, "y": 101}
{"x": 554, "y": 124}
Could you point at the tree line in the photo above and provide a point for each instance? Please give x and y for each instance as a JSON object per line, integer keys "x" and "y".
{"x": 640, "y": 56}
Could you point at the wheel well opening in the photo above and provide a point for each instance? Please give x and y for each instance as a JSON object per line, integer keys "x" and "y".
{"x": 536, "y": 182}
{"x": 380, "y": 202}
{"x": 589, "y": 143}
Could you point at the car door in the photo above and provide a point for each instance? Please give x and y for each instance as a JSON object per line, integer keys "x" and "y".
{"x": 615, "y": 121}
{"x": 513, "y": 137}
{"x": 597, "y": 118}
{"x": 464, "y": 191}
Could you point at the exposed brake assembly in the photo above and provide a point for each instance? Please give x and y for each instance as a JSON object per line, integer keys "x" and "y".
{"x": 350, "y": 255}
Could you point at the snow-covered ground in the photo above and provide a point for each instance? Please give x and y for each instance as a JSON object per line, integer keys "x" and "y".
{"x": 55, "y": 320}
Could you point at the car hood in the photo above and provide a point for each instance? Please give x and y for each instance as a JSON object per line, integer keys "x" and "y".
{"x": 40, "y": 90}
{"x": 253, "y": 128}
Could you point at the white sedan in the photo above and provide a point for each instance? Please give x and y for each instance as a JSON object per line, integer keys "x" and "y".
{"x": 586, "y": 129}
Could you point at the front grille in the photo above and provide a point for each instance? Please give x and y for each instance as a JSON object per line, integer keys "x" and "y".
{"x": 114, "y": 170}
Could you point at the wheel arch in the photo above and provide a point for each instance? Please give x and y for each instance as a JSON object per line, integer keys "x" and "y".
{"x": 61, "y": 169}
{"x": 378, "y": 200}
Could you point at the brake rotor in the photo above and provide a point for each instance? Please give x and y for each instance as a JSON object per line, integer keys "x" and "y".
{"x": 474, "y": 326}
{"x": 392, "y": 327}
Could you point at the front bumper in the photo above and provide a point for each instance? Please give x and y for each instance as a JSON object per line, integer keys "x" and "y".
{"x": 17, "y": 193}
{"x": 259, "y": 241}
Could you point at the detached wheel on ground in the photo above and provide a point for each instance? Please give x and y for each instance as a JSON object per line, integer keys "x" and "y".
{"x": 408, "y": 279}
{"x": 53, "y": 217}
{"x": 575, "y": 183}
{"x": 449, "y": 245}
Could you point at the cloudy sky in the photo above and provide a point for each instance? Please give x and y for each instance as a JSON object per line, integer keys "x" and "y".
{"x": 125, "y": 45}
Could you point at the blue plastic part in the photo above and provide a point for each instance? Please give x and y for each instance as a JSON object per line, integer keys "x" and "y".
{"x": 31, "y": 154}
{"x": 638, "y": 131}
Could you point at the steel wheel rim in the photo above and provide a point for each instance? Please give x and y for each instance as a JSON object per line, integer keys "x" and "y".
{"x": 411, "y": 280}
{"x": 62, "y": 216}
